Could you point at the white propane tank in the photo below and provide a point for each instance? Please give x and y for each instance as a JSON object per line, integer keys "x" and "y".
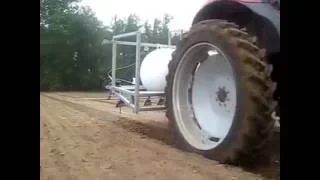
{"x": 154, "y": 69}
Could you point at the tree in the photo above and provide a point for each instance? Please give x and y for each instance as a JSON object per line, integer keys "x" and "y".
{"x": 70, "y": 47}
{"x": 72, "y": 56}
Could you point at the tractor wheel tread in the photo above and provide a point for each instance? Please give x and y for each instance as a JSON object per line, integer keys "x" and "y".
{"x": 262, "y": 53}
{"x": 255, "y": 78}
{"x": 254, "y": 60}
{"x": 252, "y": 139}
{"x": 247, "y": 45}
{"x": 222, "y": 23}
{"x": 262, "y": 101}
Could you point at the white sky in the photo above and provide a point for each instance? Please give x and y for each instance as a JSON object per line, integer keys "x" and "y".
{"x": 183, "y": 11}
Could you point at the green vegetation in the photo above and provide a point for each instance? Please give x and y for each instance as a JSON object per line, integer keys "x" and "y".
{"x": 72, "y": 55}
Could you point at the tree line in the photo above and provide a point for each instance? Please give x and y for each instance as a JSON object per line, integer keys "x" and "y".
{"x": 72, "y": 53}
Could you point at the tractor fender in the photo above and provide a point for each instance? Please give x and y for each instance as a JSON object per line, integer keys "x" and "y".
{"x": 266, "y": 18}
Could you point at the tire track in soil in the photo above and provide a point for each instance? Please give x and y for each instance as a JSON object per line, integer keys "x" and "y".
{"x": 147, "y": 130}
{"x": 151, "y": 129}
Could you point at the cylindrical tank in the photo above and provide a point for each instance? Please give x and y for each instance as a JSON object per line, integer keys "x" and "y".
{"x": 154, "y": 69}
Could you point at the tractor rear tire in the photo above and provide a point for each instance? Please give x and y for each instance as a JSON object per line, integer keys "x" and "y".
{"x": 252, "y": 127}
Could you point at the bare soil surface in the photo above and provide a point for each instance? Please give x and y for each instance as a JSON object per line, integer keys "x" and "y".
{"x": 84, "y": 136}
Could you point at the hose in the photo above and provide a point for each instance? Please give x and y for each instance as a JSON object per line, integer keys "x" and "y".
{"x": 123, "y": 67}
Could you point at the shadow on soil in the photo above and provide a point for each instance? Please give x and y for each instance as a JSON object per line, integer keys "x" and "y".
{"x": 161, "y": 133}
{"x": 146, "y": 130}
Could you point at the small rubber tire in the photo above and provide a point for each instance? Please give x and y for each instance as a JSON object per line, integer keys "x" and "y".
{"x": 252, "y": 128}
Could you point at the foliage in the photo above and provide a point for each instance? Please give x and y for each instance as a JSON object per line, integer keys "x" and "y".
{"x": 72, "y": 55}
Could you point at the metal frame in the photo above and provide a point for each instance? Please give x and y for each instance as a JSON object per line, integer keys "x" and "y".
{"x": 130, "y": 95}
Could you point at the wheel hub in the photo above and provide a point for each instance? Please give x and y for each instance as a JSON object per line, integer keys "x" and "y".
{"x": 204, "y": 95}
{"x": 222, "y": 95}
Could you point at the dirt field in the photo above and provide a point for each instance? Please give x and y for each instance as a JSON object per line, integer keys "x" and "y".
{"x": 85, "y": 137}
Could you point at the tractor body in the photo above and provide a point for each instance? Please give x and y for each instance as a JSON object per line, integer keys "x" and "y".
{"x": 261, "y": 17}
{"x": 223, "y": 82}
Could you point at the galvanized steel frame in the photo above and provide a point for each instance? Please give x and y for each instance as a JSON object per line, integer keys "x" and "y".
{"x": 122, "y": 91}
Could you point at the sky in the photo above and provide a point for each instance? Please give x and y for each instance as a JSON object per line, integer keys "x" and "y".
{"x": 183, "y": 11}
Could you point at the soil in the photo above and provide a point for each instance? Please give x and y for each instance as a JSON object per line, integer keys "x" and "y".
{"x": 84, "y": 136}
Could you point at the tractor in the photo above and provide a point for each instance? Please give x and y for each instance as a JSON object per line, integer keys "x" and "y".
{"x": 222, "y": 90}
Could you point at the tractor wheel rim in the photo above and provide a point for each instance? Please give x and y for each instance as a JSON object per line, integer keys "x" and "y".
{"x": 204, "y": 96}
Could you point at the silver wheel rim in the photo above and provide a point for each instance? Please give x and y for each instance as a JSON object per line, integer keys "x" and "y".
{"x": 204, "y": 96}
